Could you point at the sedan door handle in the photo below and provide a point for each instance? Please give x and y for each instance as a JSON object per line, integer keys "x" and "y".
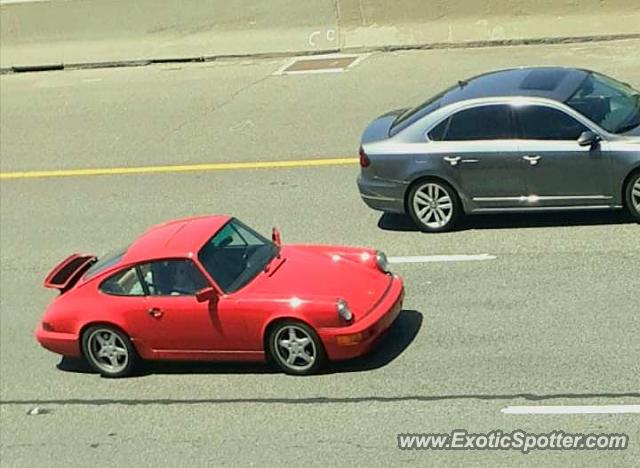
{"x": 533, "y": 160}
{"x": 453, "y": 160}
{"x": 154, "y": 312}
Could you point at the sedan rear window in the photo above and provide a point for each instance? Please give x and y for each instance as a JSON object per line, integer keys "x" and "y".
{"x": 413, "y": 115}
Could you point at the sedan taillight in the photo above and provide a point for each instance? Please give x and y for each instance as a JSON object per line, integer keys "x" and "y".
{"x": 364, "y": 159}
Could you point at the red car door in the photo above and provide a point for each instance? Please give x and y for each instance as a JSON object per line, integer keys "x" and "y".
{"x": 174, "y": 325}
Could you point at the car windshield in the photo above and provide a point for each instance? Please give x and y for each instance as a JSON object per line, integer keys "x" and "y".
{"x": 612, "y": 105}
{"x": 236, "y": 254}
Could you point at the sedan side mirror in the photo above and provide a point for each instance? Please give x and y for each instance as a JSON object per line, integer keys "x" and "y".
{"x": 588, "y": 138}
{"x": 206, "y": 295}
{"x": 275, "y": 236}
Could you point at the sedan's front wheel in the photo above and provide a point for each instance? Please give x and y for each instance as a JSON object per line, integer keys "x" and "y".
{"x": 296, "y": 348}
{"x": 433, "y": 206}
{"x": 633, "y": 195}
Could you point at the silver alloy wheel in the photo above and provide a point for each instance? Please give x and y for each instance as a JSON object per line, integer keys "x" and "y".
{"x": 295, "y": 348}
{"x": 635, "y": 195}
{"x": 107, "y": 350}
{"x": 433, "y": 205}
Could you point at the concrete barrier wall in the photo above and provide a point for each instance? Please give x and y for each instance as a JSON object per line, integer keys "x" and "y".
{"x": 86, "y": 31}
{"x": 375, "y": 23}
{"x": 96, "y": 19}
{"x": 387, "y": 12}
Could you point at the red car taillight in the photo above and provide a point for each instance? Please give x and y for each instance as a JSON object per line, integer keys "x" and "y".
{"x": 47, "y": 326}
{"x": 364, "y": 159}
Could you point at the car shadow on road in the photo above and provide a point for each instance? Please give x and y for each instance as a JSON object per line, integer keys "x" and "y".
{"x": 399, "y": 222}
{"x": 394, "y": 342}
{"x": 390, "y": 346}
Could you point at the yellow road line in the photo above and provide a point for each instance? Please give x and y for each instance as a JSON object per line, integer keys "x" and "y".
{"x": 177, "y": 168}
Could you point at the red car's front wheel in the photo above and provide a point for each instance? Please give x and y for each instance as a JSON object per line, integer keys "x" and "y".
{"x": 109, "y": 351}
{"x": 296, "y": 348}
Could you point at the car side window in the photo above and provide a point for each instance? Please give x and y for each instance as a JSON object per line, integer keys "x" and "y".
{"x": 123, "y": 283}
{"x": 545, "y": 123}
{"x": 172, "y": 278}
{"x": 478, "y": 123}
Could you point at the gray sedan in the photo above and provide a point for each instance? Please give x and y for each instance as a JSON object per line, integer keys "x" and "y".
{"x": 527, "y": 139}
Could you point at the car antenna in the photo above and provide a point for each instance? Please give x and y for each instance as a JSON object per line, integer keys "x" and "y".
{"x": 462, "y": 83}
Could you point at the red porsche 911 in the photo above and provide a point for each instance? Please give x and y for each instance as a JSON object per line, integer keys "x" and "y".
{"x": 211, "y": 288}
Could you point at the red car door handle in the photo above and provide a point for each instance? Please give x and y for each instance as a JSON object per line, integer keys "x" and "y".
{"x": 154, "y": 312}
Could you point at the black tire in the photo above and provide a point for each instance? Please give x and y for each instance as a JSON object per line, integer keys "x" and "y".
{"x": 632, "y": 195}
{"x": 125, "y": 363}
{"x": 299, "y": 365}
{"x": 442, "y": 212}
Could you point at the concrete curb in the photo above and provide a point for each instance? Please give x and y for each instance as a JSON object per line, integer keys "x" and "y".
{"x": 54, "y": 34}
{"x": 306, "y": 53}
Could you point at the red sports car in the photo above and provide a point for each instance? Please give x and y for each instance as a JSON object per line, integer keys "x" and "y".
{"x": 211, "y": 288}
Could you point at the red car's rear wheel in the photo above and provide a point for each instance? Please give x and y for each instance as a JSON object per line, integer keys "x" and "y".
{"x": 296, "y": 348}
{"x": 109, "y": 351}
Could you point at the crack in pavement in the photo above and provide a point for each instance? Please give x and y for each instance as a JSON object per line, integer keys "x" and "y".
{"x": 316, "y": 400}
{"x": 217, "y": 107}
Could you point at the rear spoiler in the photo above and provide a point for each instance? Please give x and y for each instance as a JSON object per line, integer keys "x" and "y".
{"x": 68, "y": 272}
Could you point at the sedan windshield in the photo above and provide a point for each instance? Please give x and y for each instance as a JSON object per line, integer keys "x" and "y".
{"x": 235, "y": 255}
{"x": 612, "y": 105}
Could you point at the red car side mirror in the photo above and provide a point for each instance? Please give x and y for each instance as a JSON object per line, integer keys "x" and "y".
{"x": 275, "y": 236}
{"x": 206, "y": 294}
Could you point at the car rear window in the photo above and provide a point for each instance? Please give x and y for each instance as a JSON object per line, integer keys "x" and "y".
{"x": 413, "y": 115}
{"x": 106, "y": 261}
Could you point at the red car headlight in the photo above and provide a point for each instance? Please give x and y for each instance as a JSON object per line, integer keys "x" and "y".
{"x": 47, "y": 326}
{"x": 344, "y": 311}
{"x": 382, "y": 262}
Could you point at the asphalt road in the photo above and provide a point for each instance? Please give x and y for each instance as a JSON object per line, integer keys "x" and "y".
{"x": 552, "y": 320}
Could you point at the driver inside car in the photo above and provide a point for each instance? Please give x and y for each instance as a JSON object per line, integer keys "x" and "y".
{"x": 183, "y": 282}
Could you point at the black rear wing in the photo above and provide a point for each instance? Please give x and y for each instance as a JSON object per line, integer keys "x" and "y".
{"x": 68, "y": 272}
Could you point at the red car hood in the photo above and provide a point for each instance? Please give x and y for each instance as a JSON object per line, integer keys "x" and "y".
{"x": 316, "y": 273}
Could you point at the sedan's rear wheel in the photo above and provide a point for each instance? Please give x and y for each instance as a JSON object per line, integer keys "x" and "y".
{"x": 434, "y": 206}
{"x": 633, "y": 195}
{"x": 109, "y": 351}
{"x": 296, "y": 348}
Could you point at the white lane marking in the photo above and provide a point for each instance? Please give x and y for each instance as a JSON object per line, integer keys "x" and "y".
{"x": 441, "y": 258}
{"x": 597, "y": 409}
